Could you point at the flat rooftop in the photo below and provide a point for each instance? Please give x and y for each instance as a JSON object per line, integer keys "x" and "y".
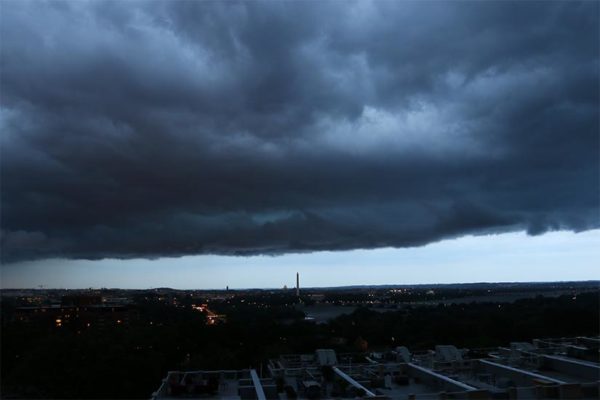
{"x": 523, "y": 371}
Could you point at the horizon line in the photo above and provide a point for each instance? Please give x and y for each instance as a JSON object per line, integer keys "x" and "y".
{"x": 314, "y": 287}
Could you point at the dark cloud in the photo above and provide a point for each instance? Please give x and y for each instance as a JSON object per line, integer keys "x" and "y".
{"x": 145, "y": 129}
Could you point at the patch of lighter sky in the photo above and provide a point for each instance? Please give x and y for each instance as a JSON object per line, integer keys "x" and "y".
{"x": 508, "y": 257}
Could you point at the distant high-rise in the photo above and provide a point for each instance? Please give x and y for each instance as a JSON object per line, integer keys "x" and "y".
{"x": 297, "y": 284}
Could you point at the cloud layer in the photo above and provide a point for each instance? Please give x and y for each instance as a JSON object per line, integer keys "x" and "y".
{"x": 148, "y": 129}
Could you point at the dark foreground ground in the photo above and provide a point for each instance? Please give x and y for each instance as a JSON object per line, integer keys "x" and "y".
{"x": 123, "y": 347}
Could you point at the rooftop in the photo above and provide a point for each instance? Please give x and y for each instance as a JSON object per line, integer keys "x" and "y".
{"x": 542, "y": 369}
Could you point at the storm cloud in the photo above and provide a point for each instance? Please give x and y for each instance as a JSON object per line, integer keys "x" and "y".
{"x": 148, "y": 129}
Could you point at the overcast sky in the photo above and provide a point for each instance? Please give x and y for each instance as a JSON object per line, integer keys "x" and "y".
{"x": 134, "y": 131}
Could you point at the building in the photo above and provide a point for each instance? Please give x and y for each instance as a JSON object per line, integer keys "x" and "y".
{"x": 224, "y": 384}
{"x": 545, "y": 369}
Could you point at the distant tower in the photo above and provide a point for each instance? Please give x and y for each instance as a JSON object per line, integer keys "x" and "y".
{"x": 297, "y": 284}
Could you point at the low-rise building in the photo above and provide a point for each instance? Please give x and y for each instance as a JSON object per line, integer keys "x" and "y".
{"x": 544, "y": 369}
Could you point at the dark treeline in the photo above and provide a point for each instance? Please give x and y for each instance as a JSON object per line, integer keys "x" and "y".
{"x": 129, "y": 361}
